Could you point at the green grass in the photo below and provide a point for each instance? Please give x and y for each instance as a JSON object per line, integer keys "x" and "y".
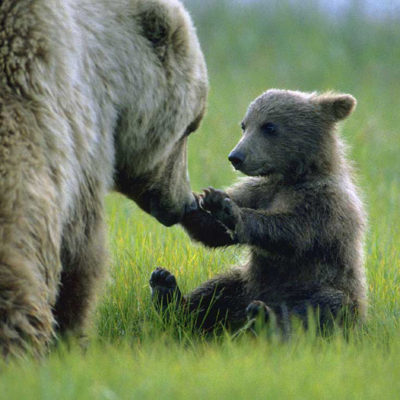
{"x": 132, "y": 355}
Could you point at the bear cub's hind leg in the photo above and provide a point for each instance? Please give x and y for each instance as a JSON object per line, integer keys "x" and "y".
{"x": 164, "y": 288}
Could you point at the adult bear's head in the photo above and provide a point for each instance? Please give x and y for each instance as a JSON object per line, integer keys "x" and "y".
{"x": 168, "y": 78}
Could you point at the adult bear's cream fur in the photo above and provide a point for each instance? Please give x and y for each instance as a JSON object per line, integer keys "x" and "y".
{"x": 93, "y": 94}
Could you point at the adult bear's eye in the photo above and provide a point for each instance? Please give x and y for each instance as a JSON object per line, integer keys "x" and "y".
{"x": 269, "y": 128}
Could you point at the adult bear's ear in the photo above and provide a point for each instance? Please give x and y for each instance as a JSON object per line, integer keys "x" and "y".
{"x": 166, "y": 26}
{"x": 337, "y": 106}
{"x": 156, "y": 26}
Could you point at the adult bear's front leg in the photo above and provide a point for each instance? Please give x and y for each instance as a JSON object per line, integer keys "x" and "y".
{"x": 26, "y": 318}
{"x": 82, "y": 276}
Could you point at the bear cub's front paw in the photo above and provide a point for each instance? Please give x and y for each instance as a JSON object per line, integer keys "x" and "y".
{"x": 164, "y": 288}
{"x": 221, "y": 206}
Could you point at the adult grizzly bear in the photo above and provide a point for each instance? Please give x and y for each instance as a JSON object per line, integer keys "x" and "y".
{"x": 298, "y": 212}
{"x": 93, "y": 94}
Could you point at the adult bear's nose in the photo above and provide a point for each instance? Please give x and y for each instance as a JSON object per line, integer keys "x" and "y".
{"x": 236, "y": 158}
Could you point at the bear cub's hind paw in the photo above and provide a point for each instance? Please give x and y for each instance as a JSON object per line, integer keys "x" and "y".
{"x": 164, "y": 288}
{"x": 256, "y": 308}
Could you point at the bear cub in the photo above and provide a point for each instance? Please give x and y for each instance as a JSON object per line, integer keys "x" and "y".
{"x": 298, "y": 212}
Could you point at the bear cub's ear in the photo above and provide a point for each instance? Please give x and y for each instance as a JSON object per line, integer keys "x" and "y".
{"x": 338, "y": 106}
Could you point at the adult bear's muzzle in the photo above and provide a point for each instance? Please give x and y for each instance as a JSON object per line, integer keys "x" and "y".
{"x": 169, "y": 216}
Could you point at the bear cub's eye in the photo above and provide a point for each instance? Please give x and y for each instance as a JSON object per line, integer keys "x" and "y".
{"x": 243, "y": 126}
{"x": 269, "y": 128}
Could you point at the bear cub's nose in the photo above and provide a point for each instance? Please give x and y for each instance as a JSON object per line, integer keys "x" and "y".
{"x": 236, "y": 158}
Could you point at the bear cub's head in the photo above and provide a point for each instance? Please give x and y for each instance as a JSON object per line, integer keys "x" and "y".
{"x": 290, "y": 133}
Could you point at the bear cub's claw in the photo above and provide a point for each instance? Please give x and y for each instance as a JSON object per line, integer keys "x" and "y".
{"x": 164, "y": 288}
{"x": 256, "y": 308}
{"x": 218, "y": 203}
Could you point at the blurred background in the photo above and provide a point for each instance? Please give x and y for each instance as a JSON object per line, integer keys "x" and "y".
{"x": 373, "y": 8}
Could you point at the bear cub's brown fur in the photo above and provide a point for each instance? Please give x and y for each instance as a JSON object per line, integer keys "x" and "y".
{"x": 298, "y": 212}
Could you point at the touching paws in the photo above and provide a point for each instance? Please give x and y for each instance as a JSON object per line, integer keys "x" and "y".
{"x": 221, "y": 206}
{"x": 164, "y": 288}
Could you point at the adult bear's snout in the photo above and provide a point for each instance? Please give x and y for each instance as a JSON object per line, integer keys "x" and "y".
{"x": 169, "y": 215}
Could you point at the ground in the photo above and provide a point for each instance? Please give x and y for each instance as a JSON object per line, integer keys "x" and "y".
{"x": 133, "y": 355}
